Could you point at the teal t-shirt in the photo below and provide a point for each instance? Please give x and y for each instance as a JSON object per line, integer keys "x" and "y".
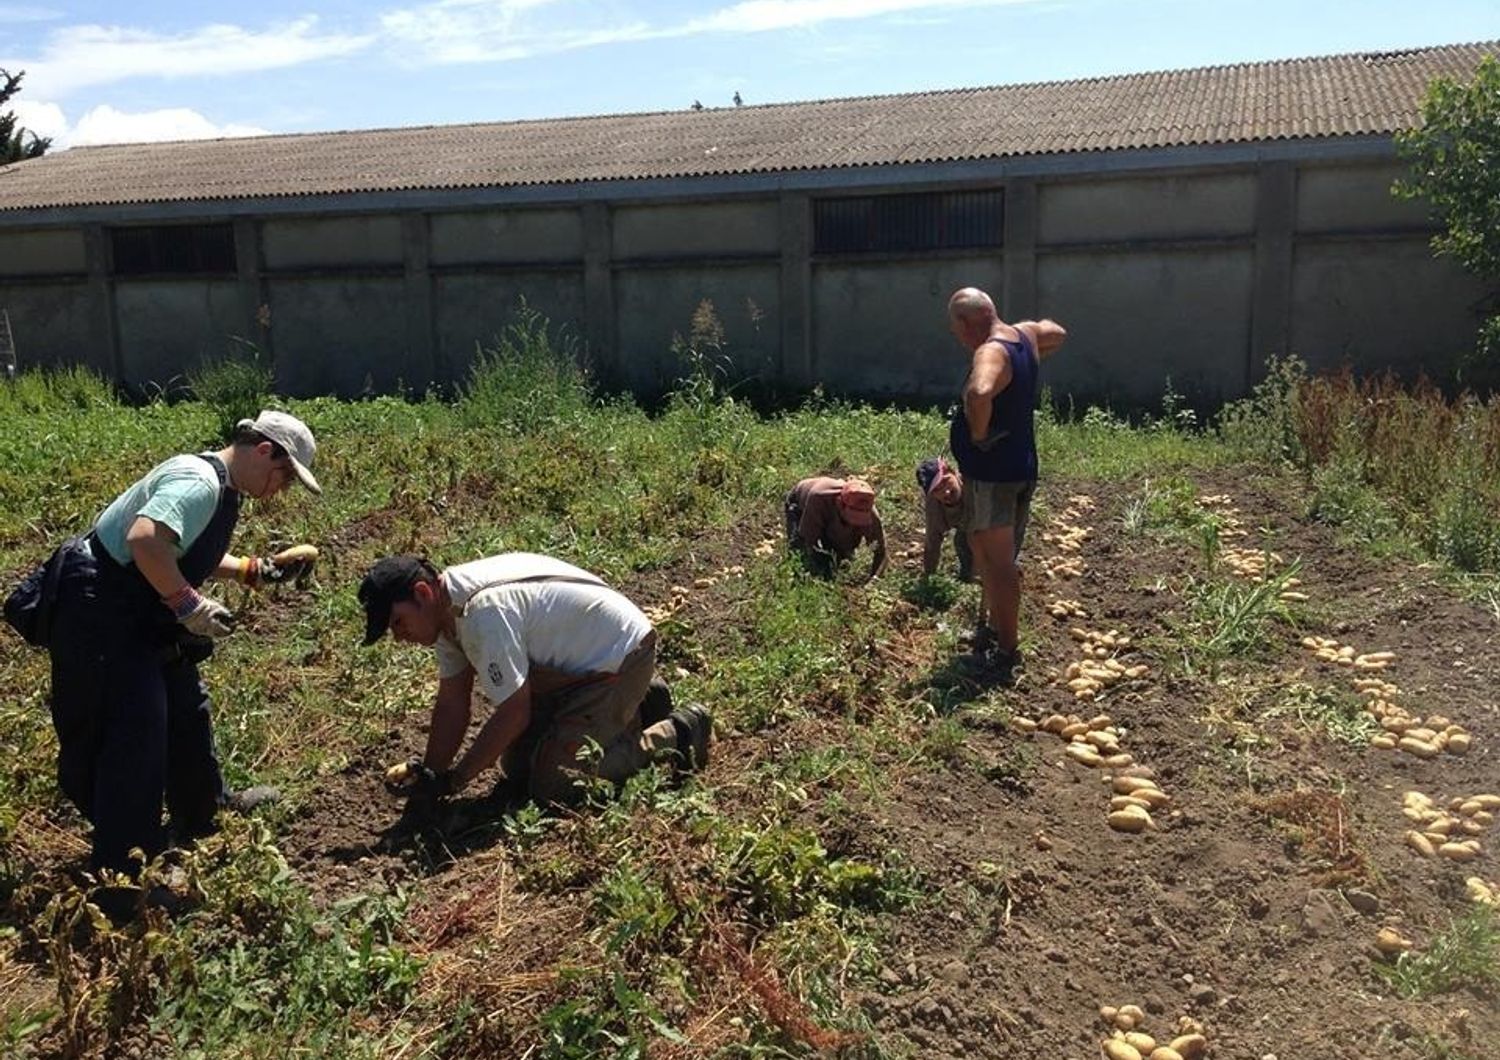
{"x": 181, "y": 493}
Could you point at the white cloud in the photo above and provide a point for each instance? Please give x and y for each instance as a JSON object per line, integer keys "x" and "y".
{"x": 106, "y": 125}
{"x": 465, "y": 31}
{"x": 80, "y": 56}
{"x": 42, "y": 119}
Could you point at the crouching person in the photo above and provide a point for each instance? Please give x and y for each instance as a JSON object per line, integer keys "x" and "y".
{"x": 942, "y": 511}
{"x": 827, "y": 518}
{"x": 565, "y": 661}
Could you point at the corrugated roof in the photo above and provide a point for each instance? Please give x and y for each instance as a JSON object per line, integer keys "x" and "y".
{"x": 1341, "y": 95}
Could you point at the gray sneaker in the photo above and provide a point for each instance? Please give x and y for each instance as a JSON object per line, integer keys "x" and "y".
{"x": 695, "y": 728}
{"x": 251, "y": 799}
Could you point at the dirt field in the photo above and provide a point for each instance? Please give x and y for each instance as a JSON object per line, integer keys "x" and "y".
{"x": 1252, "y": 907}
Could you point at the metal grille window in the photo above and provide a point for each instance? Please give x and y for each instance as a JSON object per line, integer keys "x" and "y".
{"x": 891, "y": 223}
{"x": 173, "y": 249}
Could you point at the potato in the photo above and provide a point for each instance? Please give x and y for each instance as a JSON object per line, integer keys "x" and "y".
{"x": 1023, "y": 724}
{"x": 1165, "y": 1052}
{"x": 1131, "y": 819}
{"x": 1124, "y": 1022}
{"x": 1421, "y": 732}
{"x": 1130, "y": 785}
{"x": 1458, "y": 743}
{"x": 1108, "y": 1013}
{"x": 1467, "y": 850}
{"x": 1189, "y": 1046}
{"x": 1084, "y": 754}
{"x": 1153, "y": 798}
{"x": 1383, "y": 743}
{"x": 1420, "y": 843}
{"x": 1117, "y": 761}
{"x": 398, "y": 773}
{"x": 1389, "y": 941}
{"x": 1115, "y": 1049}
{"x": 1135, "y": 1012}
{"x": 1488, "y": 802}
{"x": 1143, "y": 1043}
{"x": 1483, "y": 818}
{"x": 1442, "y": 826}
{"x": 1420, "y": 748}
{"x": 1121, "y": 802}
{"x": 1102, "y": 740}
{"x": 1100, "y": 721}
{"x": 1077, "y": 728}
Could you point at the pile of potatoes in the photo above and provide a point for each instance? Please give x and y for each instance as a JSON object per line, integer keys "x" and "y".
{"x": 1091, "y": 741}
{"x": 1062, "y": 567}
{"x": 1452, "y": 833}
{"x": 1482, "y": 892}
{"x": 1249, "y": 563}
{"x": 766, "y": 547}
{"x": 1063, "y": 608}
{"x": 1134, "y": 793}
{"x": 1419, "y": 737}
{"x": 678, "y": 594}
{"x": 1099, "y": 645}
{"x": 1128, "y": 1041}
{"x": 1330, "y": 650}
{"x": 1078, "y": 503}
{"x": 1068, "y": 538}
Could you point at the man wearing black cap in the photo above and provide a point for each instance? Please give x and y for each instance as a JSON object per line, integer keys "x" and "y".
{"x": 565, "y": 660}
{"x": 128, "y": 626}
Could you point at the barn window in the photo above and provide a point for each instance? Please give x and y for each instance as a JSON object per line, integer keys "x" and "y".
{"x": 864, "y": 224}
{"x": 173, "y": 249}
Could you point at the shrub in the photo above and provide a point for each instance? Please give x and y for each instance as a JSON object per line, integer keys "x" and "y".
{"x": 532, "y": 378}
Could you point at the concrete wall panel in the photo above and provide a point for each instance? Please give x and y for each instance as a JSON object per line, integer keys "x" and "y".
{"x": 502, "y": 236}
{"x": 56, "y": 325}
{"x": 42, "y": 253}
{"x": 651, "y": 305}
{"x": 881, "y": 328}
{"x": 1135, "y": 319}
{"x": 1388, "y": 305}
{"x": 697, "y": 229}
{"x": 473, "y": 310}
{"x": 1200, "y": 204}
{"x": 338, "y": 336}
{"x": 332, "y": 241}
{"x": 168, "y": 327}
{"x": 1354, "y": 198}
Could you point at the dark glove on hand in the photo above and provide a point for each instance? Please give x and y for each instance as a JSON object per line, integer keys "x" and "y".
{"x": 418, "y": 783}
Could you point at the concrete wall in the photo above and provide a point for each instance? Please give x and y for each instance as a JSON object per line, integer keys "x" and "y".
{"x": 342, "y": 336}
{"x": 58, "y": 324}
{"x": 1392, "y": 305}
{"x": 42, "y": 252}
{"x": 654, "y": 306}
{"x": 472, "y": 309}
{"x": 1095, "y": 211}
{"x": 1135, "y": 319}
{"x": 493, "y": 237}
{"x": 340, "y": 241}
{"x": 168, "y": 327}
{"x": 880, "y": 328}
{"x": 1197, "y": 273}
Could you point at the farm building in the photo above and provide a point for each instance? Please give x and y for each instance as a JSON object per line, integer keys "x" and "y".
{"x": 1185, "y": 224}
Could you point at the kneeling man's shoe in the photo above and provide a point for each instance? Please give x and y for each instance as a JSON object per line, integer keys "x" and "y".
{"x": 250, "y": 799}
{"x": 695, "y": 728}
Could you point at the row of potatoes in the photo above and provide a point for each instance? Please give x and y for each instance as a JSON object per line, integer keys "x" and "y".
{"x": 1129, "y": 1040}
{"x": 1329, "y": 650}
{"x": 1451, "y": 833}
{"x": 1410, "y": 733}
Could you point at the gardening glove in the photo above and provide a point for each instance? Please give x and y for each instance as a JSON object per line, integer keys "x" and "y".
{"x": 202, "y": 615}
{"x": 418, "y": 783}
{"x": 294, "y": 564}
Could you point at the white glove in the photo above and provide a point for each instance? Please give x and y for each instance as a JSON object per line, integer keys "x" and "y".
{"x": 208, "y": 618}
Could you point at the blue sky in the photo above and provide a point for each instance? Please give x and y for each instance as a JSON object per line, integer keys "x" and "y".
{"x": 107, "y": 72}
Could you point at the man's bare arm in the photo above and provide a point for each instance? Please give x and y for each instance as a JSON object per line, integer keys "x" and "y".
{"x": 1046, "y": 335}
{"x": 450, "y": 720}
{"x": 496, "y": 735}
{"x": 990, "y": 374}
{"x": 880, "y": 560}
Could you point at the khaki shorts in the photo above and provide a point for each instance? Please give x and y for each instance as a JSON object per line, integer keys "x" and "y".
{"x": 606, "y": 710}
{"x": 991, "y": 504}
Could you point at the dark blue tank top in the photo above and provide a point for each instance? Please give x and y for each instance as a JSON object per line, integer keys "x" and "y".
{"x": 1008, "y": 452}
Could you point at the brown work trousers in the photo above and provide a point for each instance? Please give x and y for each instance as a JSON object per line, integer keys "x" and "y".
{"x": 590, "y": 728}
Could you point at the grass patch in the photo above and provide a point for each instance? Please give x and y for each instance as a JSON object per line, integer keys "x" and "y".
{"x": 1465, "y": 956}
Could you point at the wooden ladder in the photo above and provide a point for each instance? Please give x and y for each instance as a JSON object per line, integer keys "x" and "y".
{"x": 7, "y": 347}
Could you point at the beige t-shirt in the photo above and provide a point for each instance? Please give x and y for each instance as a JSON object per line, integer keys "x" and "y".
{"x": 519, "y": 610}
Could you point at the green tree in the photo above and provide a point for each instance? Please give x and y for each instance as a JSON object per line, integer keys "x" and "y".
{"x": 16, "y": 144}
{"x": 1455, "y": 160}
